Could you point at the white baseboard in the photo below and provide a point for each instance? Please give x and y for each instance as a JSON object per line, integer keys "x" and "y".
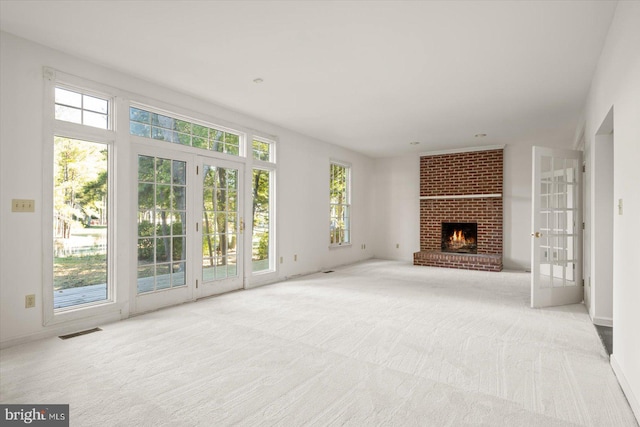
{"x": 62, "y": 329}
{"x": 626, "y": 387}
{"x": 603, "y": 321}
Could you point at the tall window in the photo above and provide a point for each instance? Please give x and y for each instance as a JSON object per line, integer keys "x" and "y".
{"x": 340, "y": 202}
{"x": 81, "y": 220}
{"x": 262, "y": 247}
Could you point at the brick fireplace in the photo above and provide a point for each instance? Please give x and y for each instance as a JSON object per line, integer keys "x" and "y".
{"x": 462, "y": 188}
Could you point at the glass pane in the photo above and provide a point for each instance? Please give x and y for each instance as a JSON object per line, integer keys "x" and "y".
{"x": 200, "y": 142}
{"x": 183, "y": 138}
{"x": 163, "y": 276}
{"x": 208, "y": 273}
{"x": 145, "y": 223}
{"x": 95, "y": 104}
{"x": 231, "y": 139}
{"x": 216, "y": 135}
{"x": 221, "y": 270}
{"x": 146, "y": 169}
{"x": 81, "y": 223}
{"x": 68, "y": 114}
{"x": 162, "y": 121}
{"x": 163, "y": 249}
{"x": 145, "y": 251}
{"x": 178, "y": 274}
{"x": 137, "y": 115}
{"x": 163, "y": 171}
{"x": 179, "y": 198}
{"x": 200, "y": 131}
{"x": 179, "y": 172}
{"x": 178, "y": 249}
{"x": 140, "y": 129}
{"x": 95, "y": 120}
{"x": 182, "y": 126}
{"x": 146, "y": 282}
{"x": 68, "y": 97}
{"x": 163, "y": 196}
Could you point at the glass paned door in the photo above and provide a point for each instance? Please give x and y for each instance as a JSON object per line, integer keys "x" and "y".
{"x": 162, "y": 234}
{"x": 557, "y": 228}
{"x": 221, "y": 227}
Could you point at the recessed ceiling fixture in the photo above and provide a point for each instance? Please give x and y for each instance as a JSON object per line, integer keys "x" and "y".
{"x": 414, "y": 143}
{"x": 480, "y": 135}
{"x": 258, "y": 80}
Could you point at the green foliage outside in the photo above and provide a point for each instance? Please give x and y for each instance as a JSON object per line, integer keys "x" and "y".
{"x": 79, "y": 271}
{"x": 80, "y": 213}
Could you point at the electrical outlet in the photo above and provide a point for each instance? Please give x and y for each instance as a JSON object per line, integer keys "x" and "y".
{"x": 397, "y": 245}
{"x": 30, "y": 301}
{"x": 281, "y": 260}
{"x": 295, "y": 257}
{"x": 23, "y": 205}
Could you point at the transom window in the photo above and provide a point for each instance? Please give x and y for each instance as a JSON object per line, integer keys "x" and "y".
{"x": 340, "y": 204}
{"x": 80, "y": 108}
{"x": 262, "y": 150}
{"x": 165, "y": 128}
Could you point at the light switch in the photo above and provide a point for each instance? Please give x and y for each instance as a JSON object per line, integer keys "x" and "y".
{"x": 619, "y": 206}
{"x": 23, "y": 205}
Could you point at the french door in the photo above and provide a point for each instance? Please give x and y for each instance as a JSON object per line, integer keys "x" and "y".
{"x": 556, "y": 238}
{"x": 220, "y": 227}
{"x": 188, "y": 239}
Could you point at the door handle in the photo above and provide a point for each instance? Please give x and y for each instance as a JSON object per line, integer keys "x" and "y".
{"x": 537, "y": 234}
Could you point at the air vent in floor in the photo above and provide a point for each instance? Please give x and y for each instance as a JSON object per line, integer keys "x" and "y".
{"x": 77, "y": 334}
{"x": 328, "y": 271}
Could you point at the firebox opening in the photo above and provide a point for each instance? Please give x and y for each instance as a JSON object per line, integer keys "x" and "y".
{"x": 461, "y": 237}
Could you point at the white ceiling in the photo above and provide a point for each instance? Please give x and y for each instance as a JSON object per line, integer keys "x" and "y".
{"x": 368, "y": 75}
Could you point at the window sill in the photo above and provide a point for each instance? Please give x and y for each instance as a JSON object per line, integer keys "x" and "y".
{"x": 344, "y": 245}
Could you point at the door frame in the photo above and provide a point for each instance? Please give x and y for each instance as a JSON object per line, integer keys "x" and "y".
{"x": 141, "y": 303}
{"x": 207, "y": 289}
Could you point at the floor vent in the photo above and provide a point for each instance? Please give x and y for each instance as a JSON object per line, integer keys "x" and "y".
{"x": 328, "y": 271}
{"x": 77, "y": 334}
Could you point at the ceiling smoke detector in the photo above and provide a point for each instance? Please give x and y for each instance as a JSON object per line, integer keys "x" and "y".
{"x": 258, "y": 80}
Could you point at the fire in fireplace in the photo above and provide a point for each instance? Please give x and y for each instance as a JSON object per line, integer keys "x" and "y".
{"x": 461, "y": 237}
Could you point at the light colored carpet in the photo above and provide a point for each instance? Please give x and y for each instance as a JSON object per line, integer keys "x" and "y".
{"x": 376, "y": 343}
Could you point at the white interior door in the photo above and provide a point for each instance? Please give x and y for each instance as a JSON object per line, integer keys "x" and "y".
{"x": 220, "y": 227}
{"x": 556, "y": 238}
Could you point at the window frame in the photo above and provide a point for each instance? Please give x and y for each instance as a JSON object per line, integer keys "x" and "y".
{"x": 193, "y": 119}
{"x": 348, "y": 167}
{"x": 271, "y": 167}
{"x": 53, "y": 128}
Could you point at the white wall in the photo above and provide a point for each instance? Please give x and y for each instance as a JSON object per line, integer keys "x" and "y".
{"x": 616, "y": 84}
{"x": 397, "y": 207}
{"x": 397, "y": 182}
{"x": 601, "y": 229}
{"x": 303, "y": 173}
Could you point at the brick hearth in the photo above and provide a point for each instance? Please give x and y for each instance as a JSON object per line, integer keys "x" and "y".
{"x": 461, "y": 187}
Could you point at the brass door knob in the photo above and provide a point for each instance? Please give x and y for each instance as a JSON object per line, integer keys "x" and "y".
{"x": 537, "y": 234}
